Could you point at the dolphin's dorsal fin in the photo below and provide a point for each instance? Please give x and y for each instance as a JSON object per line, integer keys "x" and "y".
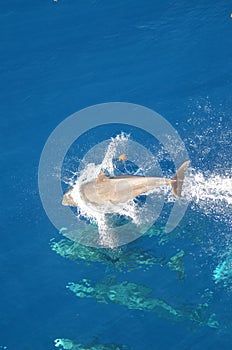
{"x": 101, "y": 177}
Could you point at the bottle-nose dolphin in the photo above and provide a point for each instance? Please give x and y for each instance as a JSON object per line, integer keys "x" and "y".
{"x": 120, "y": 189}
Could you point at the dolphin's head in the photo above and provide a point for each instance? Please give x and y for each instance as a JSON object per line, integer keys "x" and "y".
{"x": 68, "y": 199}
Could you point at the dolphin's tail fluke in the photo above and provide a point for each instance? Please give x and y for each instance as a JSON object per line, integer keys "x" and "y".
{"x": 179, "y": 179}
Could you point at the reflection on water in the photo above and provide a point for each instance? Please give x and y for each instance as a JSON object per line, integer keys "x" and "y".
{"x": 223, "y": 271}
{"x": 133, "y": 256}
{"x": 176, "y": 264}
{"x": 139, "y": 297}
{"x": 123, "y": 259}
{"x": 68, "y": 344}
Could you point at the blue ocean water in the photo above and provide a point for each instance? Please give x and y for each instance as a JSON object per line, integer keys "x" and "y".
{"x": 59, "y": 57}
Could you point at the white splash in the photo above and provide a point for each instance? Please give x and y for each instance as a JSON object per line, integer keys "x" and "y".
{"x": 211, "y": 193}
{"x": 97, "y": 215}
{"x": 117, "y": 142}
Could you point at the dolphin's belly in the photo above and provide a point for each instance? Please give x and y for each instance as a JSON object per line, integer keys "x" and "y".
{"x": 117, "y": 190}
{"x": 89, "y": 194}
{"x": 105, "y": 192}
{"x": 129, "y": 188}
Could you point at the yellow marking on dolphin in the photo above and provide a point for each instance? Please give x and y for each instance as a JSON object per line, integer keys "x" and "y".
{"x": 122, "y": 157}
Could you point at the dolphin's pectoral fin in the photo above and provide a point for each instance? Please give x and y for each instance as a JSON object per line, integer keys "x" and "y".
{"x": 101, "y": 177}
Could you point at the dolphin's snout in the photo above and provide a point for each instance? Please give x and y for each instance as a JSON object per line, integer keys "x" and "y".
{"x": 65, "y": 201}
{"x": 68, "y": 200}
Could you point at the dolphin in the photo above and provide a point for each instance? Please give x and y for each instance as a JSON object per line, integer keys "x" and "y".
{"x": 120, "y": 189}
